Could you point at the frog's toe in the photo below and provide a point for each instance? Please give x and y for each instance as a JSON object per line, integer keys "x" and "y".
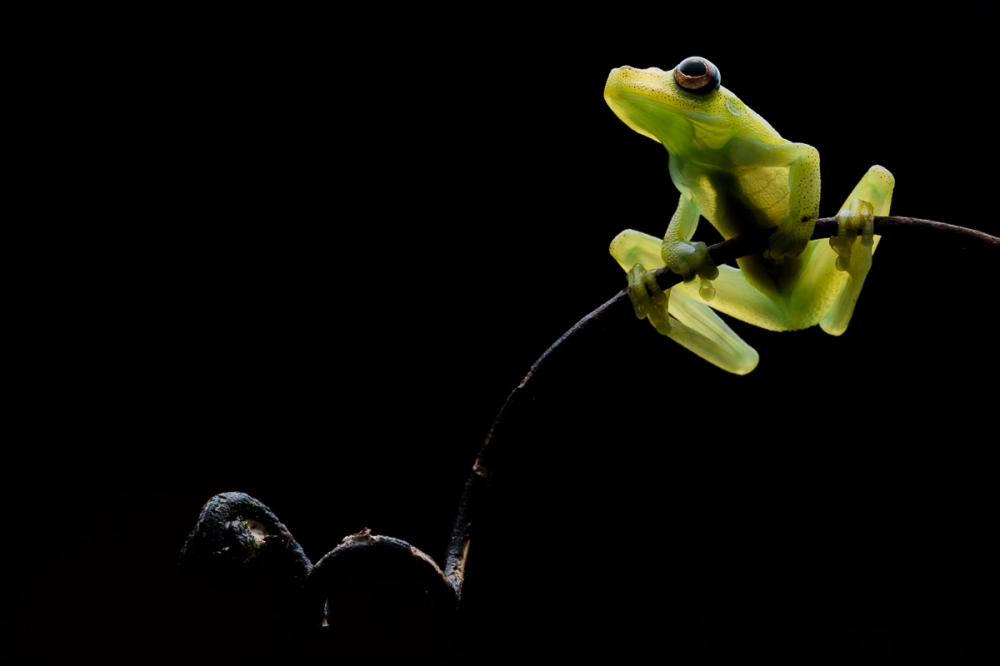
{"x": 637, "y": 291}
{"x": 708, "y": 272}
{"x": 781, "y": 245}
{"x": 856, "y": 219}
{"x": 706, "y": 290}
{"x": 648, "y": 299}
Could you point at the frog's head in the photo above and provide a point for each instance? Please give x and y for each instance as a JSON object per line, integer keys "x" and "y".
{"x": 684, "y": 109}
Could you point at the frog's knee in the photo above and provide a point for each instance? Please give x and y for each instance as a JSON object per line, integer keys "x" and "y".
{"x": 632, "y": 247}
{"x": 883, "y": 176}
{"x": 875, "y": 187}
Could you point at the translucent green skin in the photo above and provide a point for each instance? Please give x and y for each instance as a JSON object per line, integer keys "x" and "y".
{"x": 733, "y": 168}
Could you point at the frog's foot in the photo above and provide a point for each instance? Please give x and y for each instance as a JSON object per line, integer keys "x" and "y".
{"x": 872, "y": 196}
{"x": 690, "y": 260}
{"x": 782, "y": 244}
{"x": 648, "y": 299}
{"x": 857, "y": 218}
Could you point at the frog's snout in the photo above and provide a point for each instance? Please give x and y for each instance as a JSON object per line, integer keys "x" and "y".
{"x": 627, "y": 70}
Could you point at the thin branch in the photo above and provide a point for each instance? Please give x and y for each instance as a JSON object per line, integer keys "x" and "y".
{"x": 729, "y": 251}
{"x": 619, "y": 310}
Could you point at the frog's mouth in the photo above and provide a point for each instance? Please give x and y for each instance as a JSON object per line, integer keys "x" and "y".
{"x": 667, "y": 124}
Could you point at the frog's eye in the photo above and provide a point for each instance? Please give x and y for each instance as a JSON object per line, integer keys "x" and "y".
{"x": 697, "y": 75}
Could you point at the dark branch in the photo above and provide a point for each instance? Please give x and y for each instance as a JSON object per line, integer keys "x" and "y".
{"x": 239, "y": 541}
{"x": 729, "y": 251}
{"x": 619, "y": 309}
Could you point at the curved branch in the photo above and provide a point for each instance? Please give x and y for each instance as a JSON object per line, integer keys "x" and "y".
{"x": 729, "y": 251}
{"x": 619, "y": 309}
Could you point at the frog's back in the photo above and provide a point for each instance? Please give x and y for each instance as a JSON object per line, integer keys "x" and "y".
{"x": 742, "y": 199}
{"x": 735, "y": 193}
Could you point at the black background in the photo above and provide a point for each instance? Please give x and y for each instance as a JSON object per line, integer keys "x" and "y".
{"x": 308, "y": 257}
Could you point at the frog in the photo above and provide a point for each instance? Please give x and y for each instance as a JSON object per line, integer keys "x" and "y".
{"x": 732, "y": 168}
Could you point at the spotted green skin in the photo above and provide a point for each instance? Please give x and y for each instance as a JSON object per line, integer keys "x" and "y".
{"x": 732, "y": 168}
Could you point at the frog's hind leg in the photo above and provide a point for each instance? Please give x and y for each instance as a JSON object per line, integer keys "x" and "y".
{"x": 734, "y": 294}
{"x": 685, "y": 320}
{"x": 697, "y": 328}
{"x": 851, "y": 250}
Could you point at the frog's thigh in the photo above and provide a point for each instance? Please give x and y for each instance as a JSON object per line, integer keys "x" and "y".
{"x": 733, "y": 294}
{"x": 875, "y": 188}
{"x": 696, "y": 328}
{"x": 738, "y": 298}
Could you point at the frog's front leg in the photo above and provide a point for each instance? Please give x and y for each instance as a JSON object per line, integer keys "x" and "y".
{"x": 796, "y": 228}
{"x": 683, "y": 257}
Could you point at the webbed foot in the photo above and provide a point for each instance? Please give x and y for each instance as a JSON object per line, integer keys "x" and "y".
{"x": 782, "y": 244}
{"x": 690, "y": 260}
{"x": 648, "y": 299}
{"x": 857, "y": 218}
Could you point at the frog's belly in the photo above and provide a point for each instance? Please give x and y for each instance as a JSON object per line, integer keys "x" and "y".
{"x": 758, "y": 272}
{"x": 737, "y": 211}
